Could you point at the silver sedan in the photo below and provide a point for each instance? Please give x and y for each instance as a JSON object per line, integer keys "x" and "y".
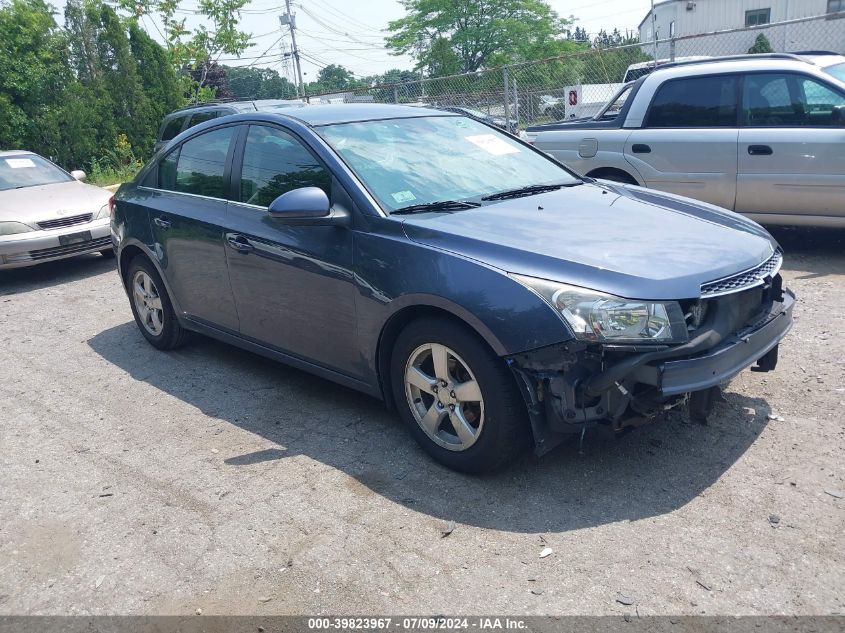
{"x": 47, "y": 213}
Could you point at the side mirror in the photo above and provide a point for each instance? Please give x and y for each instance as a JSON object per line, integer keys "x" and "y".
{"x": 837, "y": 117}
{"x": 307, "y": 205}
{"x": 79, "y": 175}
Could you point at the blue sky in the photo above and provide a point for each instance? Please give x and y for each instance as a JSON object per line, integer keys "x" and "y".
{"x": 351, "y": 32}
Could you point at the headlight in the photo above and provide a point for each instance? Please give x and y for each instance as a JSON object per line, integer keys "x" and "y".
{"x": 12, "y": 228}
{"x": 600, "y": 317}
{"x": 103, "y": 212}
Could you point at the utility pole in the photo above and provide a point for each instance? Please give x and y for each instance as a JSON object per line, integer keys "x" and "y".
{"x": 654, "y": 31}
{"x": 290, "y": 20}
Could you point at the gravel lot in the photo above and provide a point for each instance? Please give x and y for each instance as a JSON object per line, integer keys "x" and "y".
{"x": 135, "y": 481}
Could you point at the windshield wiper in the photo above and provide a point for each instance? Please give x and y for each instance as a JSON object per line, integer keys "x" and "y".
{"x": 440, "y": 205}
{"x": 530, "y": 190}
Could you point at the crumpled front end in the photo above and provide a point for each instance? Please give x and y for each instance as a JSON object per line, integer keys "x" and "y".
{"x": 579, "y": 384}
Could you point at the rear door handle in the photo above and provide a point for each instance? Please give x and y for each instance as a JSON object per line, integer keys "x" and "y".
{"x": 240, "y": 243}
{"x": 641, "y": 148}
{"x": 162, "y": 222}
{"x": 760, "y": 150}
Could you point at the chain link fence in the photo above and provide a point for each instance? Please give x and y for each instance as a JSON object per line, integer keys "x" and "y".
{"x": 580, "y": 84}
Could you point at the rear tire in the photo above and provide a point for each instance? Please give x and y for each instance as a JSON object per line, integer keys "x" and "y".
{"x": 476, "y": 422}
{"x": 151, "y": 306}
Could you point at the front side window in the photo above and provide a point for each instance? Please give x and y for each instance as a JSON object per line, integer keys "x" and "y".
{"x": 755, "y": 17}
{"x": 274, "y": 163}
{"x": 426, "y": 159}
{"x": 695, "y": 102}
{"x": 788, "y": 100}
{"x": 28, "y": 170}
{"x": 198, "y": 165}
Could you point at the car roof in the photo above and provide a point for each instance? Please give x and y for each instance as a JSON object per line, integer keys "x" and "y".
{"x": 743, "y": 63}
{"x": 353, "y": 112}
{"x": 16, "y": 152}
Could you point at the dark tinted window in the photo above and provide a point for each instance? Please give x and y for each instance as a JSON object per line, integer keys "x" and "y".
{"x": 787, "y": 100}
{"x": 200, "y": 164}
{"x": 202, "y": 117}
{"x": 697, "y": 102}
{"x": 172, "y": 128}
{"x": 275, "y": 163}
{"x": 167, "y": 171}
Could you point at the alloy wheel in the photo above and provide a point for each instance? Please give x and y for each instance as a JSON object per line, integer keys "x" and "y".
{"x": 444, "y": 396}
{"x": 147, "y": 303}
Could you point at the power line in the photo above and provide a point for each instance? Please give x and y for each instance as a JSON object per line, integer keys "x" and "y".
{"x": 346, "y": 17}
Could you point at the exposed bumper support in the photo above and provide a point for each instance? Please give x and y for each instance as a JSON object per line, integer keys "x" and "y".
{"x": 573, "y": 385}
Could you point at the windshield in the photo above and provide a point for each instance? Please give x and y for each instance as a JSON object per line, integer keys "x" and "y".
{"x": 837, "y": 70}
{"x": 428, "y": 159}
{"x": 28, "y": 170}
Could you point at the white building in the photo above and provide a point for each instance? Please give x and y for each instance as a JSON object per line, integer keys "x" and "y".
{"x": 679, "y": 18}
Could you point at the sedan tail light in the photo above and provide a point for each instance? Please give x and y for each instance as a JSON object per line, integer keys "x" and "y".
{"x": 111, "y": 206}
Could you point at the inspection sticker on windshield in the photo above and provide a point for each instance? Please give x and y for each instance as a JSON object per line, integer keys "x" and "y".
{"x": 492, "y": 144}
{"x": 403, "y": 196}
{"x": 18, "y": 163}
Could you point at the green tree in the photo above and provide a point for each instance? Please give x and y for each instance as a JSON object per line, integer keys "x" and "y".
{"x": 334, "y": 77}
{"x": 33, "y": 72}
{"x": 481, "y": 33}
{"x": 761, "y": 45}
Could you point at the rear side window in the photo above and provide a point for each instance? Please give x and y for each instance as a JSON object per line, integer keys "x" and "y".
{"x": 172, "y": 128}
{"x": 202, "y": 117}
{"x": 695, "y": 102}
{"x": 198, "y": 165}
{"x": 274, "y": 163}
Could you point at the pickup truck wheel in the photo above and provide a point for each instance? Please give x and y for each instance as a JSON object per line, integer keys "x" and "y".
{"x": 457, "y": 397}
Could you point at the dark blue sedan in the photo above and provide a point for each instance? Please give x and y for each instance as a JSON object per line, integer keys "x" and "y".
{"x": 490, "y": 295}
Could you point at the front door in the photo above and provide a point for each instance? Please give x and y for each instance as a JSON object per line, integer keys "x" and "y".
{"x": 187, "y": 215}
{"x": 791, "y": 156}
{"x": 688, "y": 142}
{"x": 293, "y": 285}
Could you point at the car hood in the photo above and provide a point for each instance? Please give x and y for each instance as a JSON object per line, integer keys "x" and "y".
{"x": 47, "y": 202}
{"x": 624, "y": 240}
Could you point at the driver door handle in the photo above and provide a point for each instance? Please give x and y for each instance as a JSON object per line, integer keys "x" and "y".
{"x": 162, "y": 222}
{"x": 760, "y": 150}
{"x": 240, "y": 243}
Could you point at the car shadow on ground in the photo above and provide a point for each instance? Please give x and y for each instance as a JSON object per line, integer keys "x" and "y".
{"x": 651, "y": 471}
{"x": 15, "y": 280}
{"x": 815, "y": 251}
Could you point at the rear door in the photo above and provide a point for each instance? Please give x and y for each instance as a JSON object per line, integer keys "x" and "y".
{"x": 688, "y": 142}
{"x": 187, "y": 213}
{"x": 293, "y": 285}
{"x": 791, "y": 156}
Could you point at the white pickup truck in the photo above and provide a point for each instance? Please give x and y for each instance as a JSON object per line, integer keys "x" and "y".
{"x": 761, "y": 135}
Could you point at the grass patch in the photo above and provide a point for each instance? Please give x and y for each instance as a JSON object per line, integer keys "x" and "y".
{"x": 104, "y": 176}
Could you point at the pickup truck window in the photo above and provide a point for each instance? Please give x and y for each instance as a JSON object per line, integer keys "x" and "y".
{"x": 695, "y": 102}
{"x": 787, "y": 100}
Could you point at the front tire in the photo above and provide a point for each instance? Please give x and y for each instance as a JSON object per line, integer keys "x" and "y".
{"x": 458, "y": 399}
{"x": 151, "y": 306}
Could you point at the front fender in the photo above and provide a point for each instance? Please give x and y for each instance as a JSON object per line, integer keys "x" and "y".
{"x": 395, "y": 274}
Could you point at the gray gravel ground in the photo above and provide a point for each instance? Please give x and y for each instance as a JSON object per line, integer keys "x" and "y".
{"x": 136, "y": 481}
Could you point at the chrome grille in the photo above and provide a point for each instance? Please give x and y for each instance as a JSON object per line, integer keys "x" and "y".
{"x": 744, "y": 280}
{"x": 68, "y": 221}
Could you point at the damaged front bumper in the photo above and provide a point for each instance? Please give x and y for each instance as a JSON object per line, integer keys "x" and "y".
{"x": 576, "y": 385}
